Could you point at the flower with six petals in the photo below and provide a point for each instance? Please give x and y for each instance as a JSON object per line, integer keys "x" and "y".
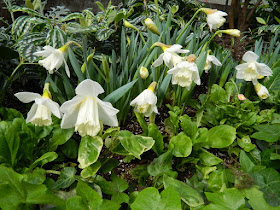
{"x": 86, "y": 111}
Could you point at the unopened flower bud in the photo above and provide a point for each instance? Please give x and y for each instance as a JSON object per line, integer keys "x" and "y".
{"x": 152, "y": 26}
{"x": 241, "y": 97}
{"x": 129, "y": 25}
{"x": 144, "y": 73}
{"x": 232, "y": 32}
{"x": 261, "y": 91}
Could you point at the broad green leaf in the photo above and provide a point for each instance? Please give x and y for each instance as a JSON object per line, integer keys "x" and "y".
{"x": 66, "y": 178}
{"x": 189, "y": 127}
{"x": 217, "y": 180}
{"x": 229, "y": 199}
{"x": 208, "y": 159}
{"x": 76, "y": 203}
{"x": 150, "y": 198}
{"x": 245, "y": 143}
{"x": 108, "y": 164}
{"x": 256, "y": 199}
{"x": 180, "y": 145}
{"x": 14, "y": 192}
{"x": 221, "y": 136}
{"x": 89, "y": 150}
{"x": 142, "y": 122}
{"x": 206, "y": 170}
{"x": 104, "y": 34}
{"x": 135, "y": 144}
{"x": 70, "y": 149}
{"x": 100, "y": 6}
{"x": 60, "y": 136}
{"x": 154, "y": 132}
{"x": 90, "y": 170}
{"x": 246, "y": 163}
{"x": 269, "y": 182}
{"x": 162, "y": 165}
{"x": 8, "y": 114}
{"x": 36, "y": 177}
{"x": 218, "y": 94}
{"x": 189, "y": 195}
{"x": 45, "y": 158}
{"x": 56, "y": 37}
{"x": 118, "y": 93}
{"x": 269, "y": 133}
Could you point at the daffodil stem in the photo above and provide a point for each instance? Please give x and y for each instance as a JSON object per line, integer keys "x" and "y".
{"x": 75, "y": 43}
{"x": 141, "y": 35}
{"x": 8, "y": 83}
{"x": 187, "y": 25}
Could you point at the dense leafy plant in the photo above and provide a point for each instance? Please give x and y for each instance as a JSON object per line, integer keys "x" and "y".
{"x": 223, "y": 156}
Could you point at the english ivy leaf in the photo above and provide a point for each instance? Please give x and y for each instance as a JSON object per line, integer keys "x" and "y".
{"x": 36, "y": 177}
{"x": 89, "y": 150}
{"x": 208, "y": 159}
{"x": 229, "y": 199}
{"x": 180, "y": 145}
{"x": 206, "y": 170}
{"x": 217, "y": 180}
{"x": 150, "y": 198}
{"x": 189, "y": 195}
{"x": 90, "y": 170}
{"x": 245, "y": 143}
{"x": 268, "y": 133}
{"x": 269, "y": 182}
{"x": 221, "y": 136}
{"x": 75, "y": 203}
{"x": 66, "y": 178}
{"x": 162, "y": 165}
{"x": 256, "y": 199}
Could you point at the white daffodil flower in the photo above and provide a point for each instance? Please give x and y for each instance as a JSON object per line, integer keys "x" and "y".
{"x": 251, "y": 70}
{"x": 53, "y": 59}
{"x": 169, "y": 55}
{"x": 261, "y": 91}
{"x": 185, "y": 72}
{"x": 86, "y": 111}
{"x": 211, "y": 59}
{"x": 144, "y": 73}
{"x": 146, "y": 101}
{"x": 41, "y": 110}
{"x": 215, "y": 18}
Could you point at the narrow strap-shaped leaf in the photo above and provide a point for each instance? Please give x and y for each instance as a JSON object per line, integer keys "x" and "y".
{"x": 75, "y": 65}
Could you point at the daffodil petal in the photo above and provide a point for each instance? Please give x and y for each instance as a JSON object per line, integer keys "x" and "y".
{"x": 27, "y": 97}
{"x": 214, "y": 60}
{"x": 31, "y": 113}
{"x": 158, "y": 61}
{"x": 53, "y": 106}
{"x": 89, "y": 88}
{"x": 263, "y": 69}
{"x": 70, "y": 106}
{"x": 66, "y": 68}
{"x": 250, "y": 56}
{"x": 107, "y": 113}
{"x": 69, "y": 120}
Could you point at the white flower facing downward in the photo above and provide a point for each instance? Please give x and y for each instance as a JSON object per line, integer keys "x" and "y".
{"x": 184, "y": 73}
{"x": 170, "y": 56}
{"x": 211, "y": 59}
{"x": 251, "y": 70}
{"x": 261, "y": 91}
{"x": 41, "y": 110}
{"x": 215, "y": 18}
{"x": 86, "y": 110}
{"x": 146, "y": 101}
{"x": 53, "y": 59}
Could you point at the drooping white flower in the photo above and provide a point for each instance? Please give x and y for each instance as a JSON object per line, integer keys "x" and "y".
{"x": 261, "y": 91}
{"x": 185, "y": 72}
{"x": 231, "y": 32}
{"x": 41, "y": 110}
{"x": 146, "y": 101}
{"x": 251, "y": 70}
{"x": 53, "y": 59}
{"x": 211, "y": 59}
{"x": 215, "y": 18}
{"x": 86, "y": 111}
{"x": 169, "y": 55}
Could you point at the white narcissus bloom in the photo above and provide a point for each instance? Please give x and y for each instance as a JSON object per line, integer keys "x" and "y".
{"x": 211, "y": 59}
{"x": 41, "y": 110}
{"x": 215, "y": 18}
{"x": 261, "y": 91}
{"x": 251, "y": 70}
{"x": 169, "y": 55}
{"x": 86, "y": 111}
{"x": 53, "y": 59}
{"x": 184, "y": 73}
{"x": 146, "y": 101}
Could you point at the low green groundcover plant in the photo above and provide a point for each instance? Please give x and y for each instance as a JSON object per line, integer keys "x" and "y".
{"x": 72, "y": 150}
